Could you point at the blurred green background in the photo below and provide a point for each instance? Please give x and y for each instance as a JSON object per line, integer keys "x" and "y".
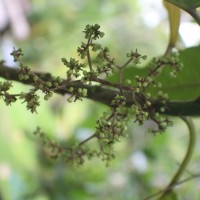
{"x": 144, "y": 163}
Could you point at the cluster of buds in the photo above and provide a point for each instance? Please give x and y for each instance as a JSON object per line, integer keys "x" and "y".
{"x": 76, "y": 94}
{"x": 112, "y": 126}
{"x": 92, "y": 31}
{"x": 74, "y": 67}
{"x": 4, "y": 88}
{"x": 136, "y": 57}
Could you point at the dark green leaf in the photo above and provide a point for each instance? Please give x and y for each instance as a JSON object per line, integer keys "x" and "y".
{"x": 186, "y": 86}
{"x": 186, "y": 4}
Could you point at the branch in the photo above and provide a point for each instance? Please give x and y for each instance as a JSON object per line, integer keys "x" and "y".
{"x": 105, "y": 94}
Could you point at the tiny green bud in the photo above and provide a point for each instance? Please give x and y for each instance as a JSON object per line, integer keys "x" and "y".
{"x": 137, "y": 90}
{"x": 59, "y": 80}
{"x": 64, "y": 60}
{"x": 84, "y": 92}
{"x": 48, "y": 84}
{"x": 145, "y": 84}
{"x": 35, "y": 78}
{"x": 144, "y": 57}
{"x": 166, "y": 96}
{"x": 162, "y": 109}
{"x": 148, "y": 103}
{"x": 160, "y": 93}
{"x": 50, "y": 94}
{"x": 71, "y": 89}
{"x": 146, "y": 114}
{"x": 79, "y": 90}
{"x": 21, "y": 76}
{"x": 69, "y": 72}
{"x": 46, "y": 97}
{"x": 157, "y": 114}
{"x": 55, "y": 84}
{"x": 101, "y": 34}
{"x": 70, "y": 99}
{"x": 26, "y": 77}
{"x": 148, "y": 95}
{"x": 163, "y": 125}
{"x": 149, "y": 79}
{"x": 128, "y": 81}
{"x": 137, "y": 77}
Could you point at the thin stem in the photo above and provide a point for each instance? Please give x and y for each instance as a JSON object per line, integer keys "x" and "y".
{"x": 168, "y": 50}
{"x": 87, "y": 139}
{"x": 108, "y": 83}
{"x": 126, "y": 63}
{"x": 120, "y": 75}
{"x": 186, "y": 160}
{"x": 178, "y": 183}
{"x": 88, "y": 54}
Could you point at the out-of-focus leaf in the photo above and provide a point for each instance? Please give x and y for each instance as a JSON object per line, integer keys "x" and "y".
{"x": 186, "y": 4}
{"x": 185, "y": 86}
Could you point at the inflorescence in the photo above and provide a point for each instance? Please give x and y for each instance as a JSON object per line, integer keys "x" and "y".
{"x": 89, "y": 70}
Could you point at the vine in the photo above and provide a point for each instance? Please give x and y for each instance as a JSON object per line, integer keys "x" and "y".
{"x": 175, "y": 180}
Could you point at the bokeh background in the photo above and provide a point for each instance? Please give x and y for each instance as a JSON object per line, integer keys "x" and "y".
{"x": 49, "y": 30}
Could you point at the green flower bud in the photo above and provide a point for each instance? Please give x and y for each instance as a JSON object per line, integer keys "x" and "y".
{"x": 70, "y": 99}
{"x": 128, "y": 81}
{"x": 71, "y": 89}
{"x": 26, "y": 77}
{"x": 48, "y": 84}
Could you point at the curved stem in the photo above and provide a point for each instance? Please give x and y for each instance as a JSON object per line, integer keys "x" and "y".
{"x": 195, "y": 15}
{"x": 186, "y": 160}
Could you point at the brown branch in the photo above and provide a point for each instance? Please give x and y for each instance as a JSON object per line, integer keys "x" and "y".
{"x": 105, "y": 93}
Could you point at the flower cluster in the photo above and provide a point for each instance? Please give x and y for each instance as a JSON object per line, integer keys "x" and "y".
{"x": 92, "y": 69}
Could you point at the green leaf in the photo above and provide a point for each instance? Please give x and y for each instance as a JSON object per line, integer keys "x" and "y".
{"x": 186, "y": 86}
{"x": 186, "y": 4}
